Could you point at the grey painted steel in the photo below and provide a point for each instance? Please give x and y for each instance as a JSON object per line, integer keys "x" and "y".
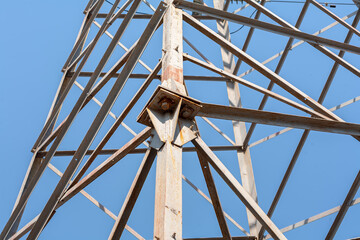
{"x": 271, "y": 136}
{"x": 248, "y": 40}
{"x": 299, "y": 43}
{"x": 144, "y": 76}
{"x": 239, "y": 128}
{"x": 35, "y": 161}
{"x": 209, "y": 200}
{"x": 34, "y": 165}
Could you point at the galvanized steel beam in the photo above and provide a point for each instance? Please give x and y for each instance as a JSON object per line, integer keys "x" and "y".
{"x": 238, "y": 189}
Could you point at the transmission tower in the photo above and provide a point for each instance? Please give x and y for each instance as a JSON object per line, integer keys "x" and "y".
{"x": 171, "y": 110}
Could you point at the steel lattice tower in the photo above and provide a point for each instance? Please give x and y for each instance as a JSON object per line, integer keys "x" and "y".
{"x": 172, "y": 120}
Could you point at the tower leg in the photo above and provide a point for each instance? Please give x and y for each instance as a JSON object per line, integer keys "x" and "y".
{"x": 168, "y": 190}
{"x": 244, "y": 157}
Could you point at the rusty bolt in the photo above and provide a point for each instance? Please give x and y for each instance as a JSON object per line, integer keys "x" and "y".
{"x": 165, "y": 104}
{"x": 186, "y": 112}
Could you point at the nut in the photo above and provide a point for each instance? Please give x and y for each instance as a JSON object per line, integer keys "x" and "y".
{"x": 165, "y": 104}
{"x": 186, "y": 112}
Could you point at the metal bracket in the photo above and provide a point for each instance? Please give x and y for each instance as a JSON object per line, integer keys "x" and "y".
{"x": 166, "y": 105}
{"x": 186, "y": 131}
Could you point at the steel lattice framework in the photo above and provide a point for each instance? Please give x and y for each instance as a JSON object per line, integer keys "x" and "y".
{"x": 169, "y": 114}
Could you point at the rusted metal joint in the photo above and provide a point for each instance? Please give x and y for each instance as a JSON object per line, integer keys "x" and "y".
{"x": 165, "y": 103}
{"x": 186, "y": 111}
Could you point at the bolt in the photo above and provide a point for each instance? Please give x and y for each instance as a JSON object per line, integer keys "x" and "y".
{"x": 186, "y": 112}
{"x": 165, "y": 104}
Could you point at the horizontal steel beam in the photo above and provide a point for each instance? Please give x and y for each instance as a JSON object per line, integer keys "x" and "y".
{"x": 220, "y": 238}
{"x": 278, "y": 119}
{"x": 266, "y": 26}
{"x": 139, "y": 151}
{"x": 144, "y": 76}
{"x": 148, "y": 16}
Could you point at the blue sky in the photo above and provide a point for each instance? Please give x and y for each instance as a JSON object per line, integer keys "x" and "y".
{"x": 37, "y": 37}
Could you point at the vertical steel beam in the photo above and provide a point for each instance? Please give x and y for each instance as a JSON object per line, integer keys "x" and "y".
{"x": 233, "y": 92}
{"x": 168, "y": 187}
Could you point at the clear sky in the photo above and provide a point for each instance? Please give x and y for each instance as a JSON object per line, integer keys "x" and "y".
{"x": 36, "y": 38}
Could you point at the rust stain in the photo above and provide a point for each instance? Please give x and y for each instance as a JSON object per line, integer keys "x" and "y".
{"x": 172, "y": 210}
{"x": 172, "y": 155}
{"x": 173, "y": 73}
{"x": 181, "y": 133}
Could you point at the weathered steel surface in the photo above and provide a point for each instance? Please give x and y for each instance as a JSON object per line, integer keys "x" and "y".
{"x": 168, "y": 187}
{"x": 238, "y": 189}
{"x": 170, "y": 114}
